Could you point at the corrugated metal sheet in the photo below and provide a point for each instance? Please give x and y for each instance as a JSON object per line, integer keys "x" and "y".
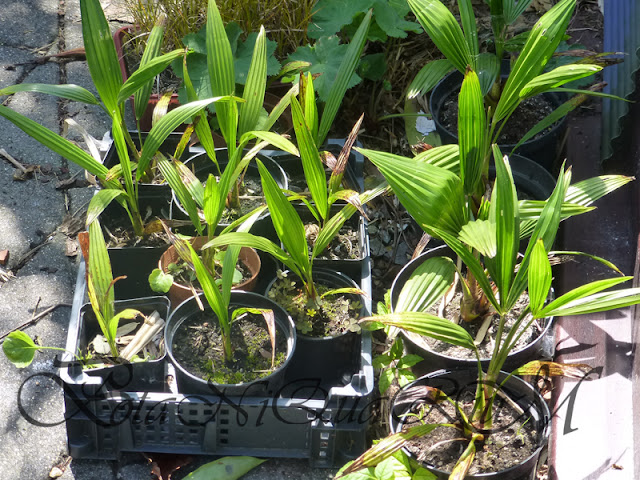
{"x": 621, "y": 34}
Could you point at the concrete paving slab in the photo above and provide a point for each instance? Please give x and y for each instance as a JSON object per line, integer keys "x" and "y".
{"x": 29, "y": 210}
{"x": 28, "y": 23}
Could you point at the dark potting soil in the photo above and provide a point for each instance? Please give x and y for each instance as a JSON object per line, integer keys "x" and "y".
{"x": 527, "y": 115}
{"x": 512, "y": 439}
{"x": 250, "y": 196}
{"x": 331, "y": 316}
{"x": 345, "y": 245}
{"x": 197, "y": 346}
{"x": 452, "y": 311}
{"x": 119, "y": 233}
{"x": 186, "y": 275}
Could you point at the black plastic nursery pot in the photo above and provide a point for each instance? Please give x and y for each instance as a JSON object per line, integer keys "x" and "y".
{"x": 130, "y": 376}
{"x": 135, "y": 262}
{"x": 168, "y": 147}
{"x": 542, "y": 149}
{"x": 353, "y": 265}
{"x": 541, "y": 347}
{"x": 265, "y": 386}
{"x": 455, "y": 382}
{"x": 326, "y": 361}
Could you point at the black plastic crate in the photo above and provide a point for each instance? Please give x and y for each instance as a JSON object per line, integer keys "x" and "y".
{"x": 326, "y": 424}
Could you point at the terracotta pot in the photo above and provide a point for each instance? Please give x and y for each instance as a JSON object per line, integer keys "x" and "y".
{"x": 179, "y": 293}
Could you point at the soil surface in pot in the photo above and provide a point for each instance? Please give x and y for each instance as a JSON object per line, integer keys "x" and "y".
{"x": 197, "y": 346}
{"x": 118, "y": 232}
{"x": 513, "y": 438}
{"x": 250, "y": 196}
{"x": 345, "y": 245}
{"x": 452, "y": 311}
{"x": 333, "y": 315}
{"x": 527, "y": 115}
{"x": 184, "y": 275}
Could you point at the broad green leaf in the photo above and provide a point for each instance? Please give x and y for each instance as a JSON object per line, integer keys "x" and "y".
{"x": 308, "y": 103}
{"x": 428, "y": 77}
{"x": 226, "y": 468}
{"x": 444, "y": 31}
{"x": 143, "y": 77}
{"x": 426, "y": 285}
{"x": 277, "y": 140}
{"x": 209, "y": 287}
{"x": 424, "y": 323}
{"x": 589, "y": 298}
{"x": 100, "y": 280}
{"x": 221, "y": 70}
{"x": 392, "y": 468}
{"x": 390, "y": 17}
{"x": 211, "y": 202}
{"x": 102, "y": 58}
{"x": 100, "y": 201}
{"x": 286, "y": 222}
{"x": 331, "y": 15}
{"x": 70, "y": 92}
{"x": 481, "y": 236}
{"x": 472, "y": 136}
{"x": 343, "y": 77}
{"x": 445, "y": 156}
{"x": 172, "y": 176}
{"x": 324, "y": 59}
{"x": 468, "y": 20}
{"x": 159, "y": 281}
{"x": 543, "y": 40}
{"x": 512, "y": 9}
{"x": 409, "y": 361}
{"x": 588, "y": 191}
{"x": 203, "y": 129}
{"x": 311, "y": 163}
{"x": 19, "y": 349}
{"x": 255, "y": 86}
{"x": 539, "y": 278}
{"x": 119, "y": 141}
{"x": 557, "y": 77}
{"x": 488, "y": 69}
{"x": 151, "y": 50}
{"x": 191, "y": 182}
{"x": 546, "y": 229}
{"x": 55, "y": 142}
{"x": 433, "y": 196}
{"x": 504, "y": 213}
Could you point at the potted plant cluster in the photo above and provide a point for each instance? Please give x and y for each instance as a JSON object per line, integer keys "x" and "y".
{"x": 271, "y": 372}
{"x": 244, "y": 343}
